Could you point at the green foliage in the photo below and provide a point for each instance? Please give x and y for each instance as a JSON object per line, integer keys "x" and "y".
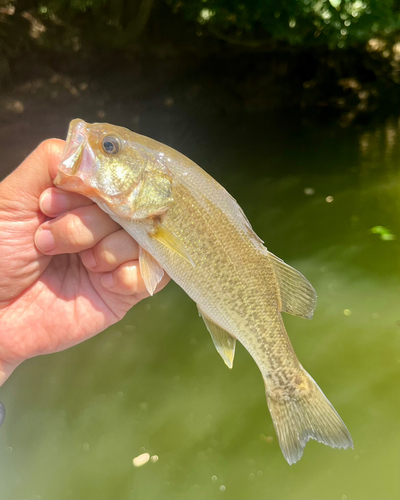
{"x": 335, "y": 23}
{"x": 60, "y": 24}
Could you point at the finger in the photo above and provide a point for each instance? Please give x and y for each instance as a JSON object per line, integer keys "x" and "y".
{"x": 51, "y": 150}
{"x": 35, "y": 174}
{"x": 127, "y": 280}
{"x": 111, "y": 252}
{"x": 74, "y": 231}
{"x": 55, "y": 201}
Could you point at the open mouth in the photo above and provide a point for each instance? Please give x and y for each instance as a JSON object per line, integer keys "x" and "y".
{"x": 77, "y": 160}
{"x": 72, "y": 161}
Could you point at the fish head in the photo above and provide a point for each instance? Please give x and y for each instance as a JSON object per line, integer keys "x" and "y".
{"x": 114, "y": 167}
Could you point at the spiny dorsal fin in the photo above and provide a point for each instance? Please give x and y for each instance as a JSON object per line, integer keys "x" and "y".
{"x": 150, "y": 270}
{"x": 297, "y": 296}
{"x": 166, "y": 237}
{"x": 223, "y": 341}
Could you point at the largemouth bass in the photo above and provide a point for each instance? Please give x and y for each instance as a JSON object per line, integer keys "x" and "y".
{"x": 188, "y": 225}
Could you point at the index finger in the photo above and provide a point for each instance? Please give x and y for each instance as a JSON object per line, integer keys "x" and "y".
{"x": 54, "y": 201}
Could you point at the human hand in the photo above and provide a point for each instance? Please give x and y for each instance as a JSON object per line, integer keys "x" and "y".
{"x": 67, "y": 270}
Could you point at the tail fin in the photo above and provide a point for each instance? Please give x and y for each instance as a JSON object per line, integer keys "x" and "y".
{"x": 304, "y": 413}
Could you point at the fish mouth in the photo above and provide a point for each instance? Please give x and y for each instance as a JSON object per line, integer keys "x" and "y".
{"x": 77, "y": 160}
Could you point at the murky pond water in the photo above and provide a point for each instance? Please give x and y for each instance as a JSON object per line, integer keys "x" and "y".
{"x": 154, "y": 382}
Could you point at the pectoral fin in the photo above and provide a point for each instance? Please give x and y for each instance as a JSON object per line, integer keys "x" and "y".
{"x": 150, "y": 270}
{"x": 223, "y": 341}
{"x": 166, "y": 237}
{"x": 297, "y": 296}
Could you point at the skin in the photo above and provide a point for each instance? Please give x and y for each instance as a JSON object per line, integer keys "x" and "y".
{"x": 67, "y": 270}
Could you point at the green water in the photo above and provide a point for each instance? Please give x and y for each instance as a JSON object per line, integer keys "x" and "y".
{"x": 154, "y": 382}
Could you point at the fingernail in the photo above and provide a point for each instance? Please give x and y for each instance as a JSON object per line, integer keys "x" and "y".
{"x": 107, "y": 280}
{"x": 45, "y": 241}
{"x": 54, "y": 203}
{"x": 88, "y": 259}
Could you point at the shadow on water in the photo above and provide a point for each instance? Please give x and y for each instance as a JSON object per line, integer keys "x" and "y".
{"x": 154, "y": 383}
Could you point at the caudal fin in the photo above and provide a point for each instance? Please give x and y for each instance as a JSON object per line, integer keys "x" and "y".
{"x": 304, "y": 413}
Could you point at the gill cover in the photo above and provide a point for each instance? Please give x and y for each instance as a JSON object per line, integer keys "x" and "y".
{"x": 109, "y": 164}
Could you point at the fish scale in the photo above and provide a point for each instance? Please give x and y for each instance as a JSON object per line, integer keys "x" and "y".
{"x": 189, "y": 225}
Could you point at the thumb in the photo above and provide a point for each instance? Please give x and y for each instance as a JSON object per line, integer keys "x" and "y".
{"x": 34, "y": 175}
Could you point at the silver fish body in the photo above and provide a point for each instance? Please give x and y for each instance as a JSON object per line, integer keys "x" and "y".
{"x": 189, "y": 225}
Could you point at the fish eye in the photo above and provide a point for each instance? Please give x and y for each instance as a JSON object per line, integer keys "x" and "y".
{"x": 110, "y": 145}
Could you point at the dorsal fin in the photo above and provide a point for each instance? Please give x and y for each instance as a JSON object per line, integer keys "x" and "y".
{"x": 297, "y": 295}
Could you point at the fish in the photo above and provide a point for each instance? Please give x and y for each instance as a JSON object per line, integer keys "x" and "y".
{"x": 188, "y": 225}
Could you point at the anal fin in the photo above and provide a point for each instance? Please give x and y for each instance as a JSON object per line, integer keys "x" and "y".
{"x": 150, "y": 270}
{"x": 297, "y": 295}
{"x": 223, "y": 341}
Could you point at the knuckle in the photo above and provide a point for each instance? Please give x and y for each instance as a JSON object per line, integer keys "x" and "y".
{"x": 74, "y": 232}
{"x": 104, "y": 253}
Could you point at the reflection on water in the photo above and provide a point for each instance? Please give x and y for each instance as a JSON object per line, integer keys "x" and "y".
{"x": 148, "y": 410}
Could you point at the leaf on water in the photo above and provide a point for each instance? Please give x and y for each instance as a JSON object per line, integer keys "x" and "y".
{"x": 383, "y": 232}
